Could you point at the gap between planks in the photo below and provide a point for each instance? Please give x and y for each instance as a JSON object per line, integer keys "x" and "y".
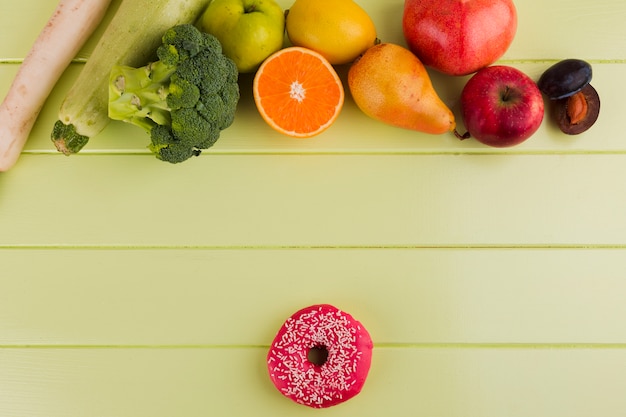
{"x": 83, "y": 60}
{"x": 551, "y": 246}
{"x": 348, "y": 152}
{"x": 390, "y": 346}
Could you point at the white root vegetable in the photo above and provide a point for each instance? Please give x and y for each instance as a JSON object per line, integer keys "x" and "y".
{"x": 69, "y": 27}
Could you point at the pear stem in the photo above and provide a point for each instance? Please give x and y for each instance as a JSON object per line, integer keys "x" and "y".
{"x": 464, "y": 136}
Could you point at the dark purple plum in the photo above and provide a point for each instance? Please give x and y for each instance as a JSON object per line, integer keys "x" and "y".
{"x": 577, "y": 113}
{"x": 565, "y": 78}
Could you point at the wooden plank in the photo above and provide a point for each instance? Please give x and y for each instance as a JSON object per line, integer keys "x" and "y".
{"x": 550, "y": 30}
{"x": 13, "y": 21}
{"x": 491, "y": 279}
{"x": 242, "y": 297}
{"x": 200, "y": 382}
{"x": 22, "y": 22}
{"x": 316, "y": 200}
{"x": 546, "y": 30}
{"x": 353, "y": 132}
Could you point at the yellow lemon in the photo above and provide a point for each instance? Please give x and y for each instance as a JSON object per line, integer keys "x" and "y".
{"x": 340, "y": 30}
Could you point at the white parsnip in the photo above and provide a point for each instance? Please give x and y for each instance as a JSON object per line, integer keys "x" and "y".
{"x": 69, "y": 27}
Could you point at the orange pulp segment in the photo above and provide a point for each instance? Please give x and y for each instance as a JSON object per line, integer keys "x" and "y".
{"x": 298, "y": 92}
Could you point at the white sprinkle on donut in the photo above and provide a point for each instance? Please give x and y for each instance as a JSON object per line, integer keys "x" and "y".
{"x": 345, "y": 347}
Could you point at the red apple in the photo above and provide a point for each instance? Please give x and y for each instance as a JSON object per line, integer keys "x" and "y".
{"x": 459, "y": 37}
{"x": 501, "y": 106}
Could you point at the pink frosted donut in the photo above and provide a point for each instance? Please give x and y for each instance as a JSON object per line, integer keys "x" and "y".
{"x": 320, "y": 357}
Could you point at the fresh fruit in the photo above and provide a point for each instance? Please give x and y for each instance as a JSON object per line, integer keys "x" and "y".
{"x": 577, "y": 113}
{"x": 576, "y": 104}
{"x": 459, "y": 37}
{"x": 340, "y": 30}
{"x": 298, "y": 92}
{"x": 565, "y": 78}
{"x": 390, "y": 84}
{"x": 501, "y": 106}
{"x": 249, "y": 30}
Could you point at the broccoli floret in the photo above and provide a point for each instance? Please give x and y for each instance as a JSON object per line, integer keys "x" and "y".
{"x": 183, "y": 100}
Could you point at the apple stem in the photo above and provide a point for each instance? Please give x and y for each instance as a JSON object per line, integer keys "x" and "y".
{"x": 464, "y": 136}
{"x": 507, "y": 94}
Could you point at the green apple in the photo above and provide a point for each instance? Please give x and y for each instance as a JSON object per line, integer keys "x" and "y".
{"x": 249, "y": 30}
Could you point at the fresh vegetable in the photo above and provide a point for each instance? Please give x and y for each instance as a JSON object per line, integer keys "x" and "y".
{"x": 184, "y": 99}
{"x": 131, "y": 38}
{"x": 71, "y": 24}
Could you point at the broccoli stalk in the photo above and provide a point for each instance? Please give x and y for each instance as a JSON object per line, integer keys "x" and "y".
{"x": 183, "y": 100}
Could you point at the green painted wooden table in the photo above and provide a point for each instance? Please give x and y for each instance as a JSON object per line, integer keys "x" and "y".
{"x": 493, "y": 281}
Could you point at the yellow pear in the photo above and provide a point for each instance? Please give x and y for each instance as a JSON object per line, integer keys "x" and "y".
{"x": 389, "y": 83}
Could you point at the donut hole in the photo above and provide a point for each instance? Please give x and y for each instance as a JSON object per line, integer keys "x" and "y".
{"x": 318, "y": 355}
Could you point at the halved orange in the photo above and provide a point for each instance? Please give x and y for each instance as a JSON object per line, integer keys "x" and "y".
{"x": 298, "y": 92}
